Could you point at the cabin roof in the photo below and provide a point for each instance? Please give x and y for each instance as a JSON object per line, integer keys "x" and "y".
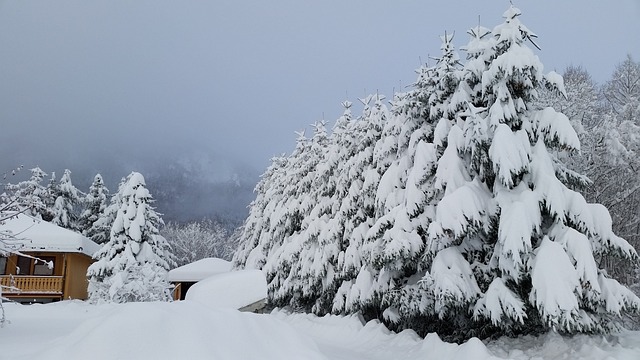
{"x": 33, "y": 234}
{"x": 199, "y": 270}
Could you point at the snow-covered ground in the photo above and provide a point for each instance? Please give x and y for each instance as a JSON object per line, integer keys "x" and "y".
{"x": 190, "y": 330}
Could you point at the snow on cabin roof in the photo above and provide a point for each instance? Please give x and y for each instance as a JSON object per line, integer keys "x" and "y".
{"x": 199, "y": 270}
{"x": 39, "y": 235}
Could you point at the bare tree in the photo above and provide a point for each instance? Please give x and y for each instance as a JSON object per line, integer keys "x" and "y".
{"x": 622, "y": 91}
{"x": 197, "y": 240}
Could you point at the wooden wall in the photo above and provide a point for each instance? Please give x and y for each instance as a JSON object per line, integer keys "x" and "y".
{"x": 76, "y": 282}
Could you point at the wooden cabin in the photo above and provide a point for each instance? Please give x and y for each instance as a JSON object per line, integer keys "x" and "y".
{"x": 52, "y": 265}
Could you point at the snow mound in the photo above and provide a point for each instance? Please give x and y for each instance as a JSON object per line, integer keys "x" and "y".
{"x": 199, "y": 270}
{"x": 622, "y": 346}
{"x": 235, "y": 289}
{"x": 348, "y": 337}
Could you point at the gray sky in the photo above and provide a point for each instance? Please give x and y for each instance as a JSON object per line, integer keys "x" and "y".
{"x": 121, "y": 81}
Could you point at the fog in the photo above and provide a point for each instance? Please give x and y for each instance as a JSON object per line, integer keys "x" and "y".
{"x": 115, "y": 86}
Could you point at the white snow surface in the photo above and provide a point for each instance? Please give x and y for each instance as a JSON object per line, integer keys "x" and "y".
{"x": 199, "y": 270}
{"x": 189, "y": 330}
{"x": 39, "y": 235}
{"x": 233, "y": 290}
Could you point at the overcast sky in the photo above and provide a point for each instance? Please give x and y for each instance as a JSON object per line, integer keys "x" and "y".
{"x": 126, "y": 81}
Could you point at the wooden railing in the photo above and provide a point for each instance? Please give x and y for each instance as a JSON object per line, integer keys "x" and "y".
{"x": 18, "y": 284}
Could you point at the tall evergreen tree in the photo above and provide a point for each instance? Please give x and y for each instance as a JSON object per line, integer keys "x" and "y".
{"x": 132, "y": 266}
{"x": 100, "y": 231}
{"x": 256, "y": 246}
{"x": 96, "y": 202}
{"x": 285, "y": 263}
{"x": 313, "y": 271}
{"x": 410, "y": 198}
{"x": 509, "y": 226}
{"x": 358, "y": 206}
{"x": 67, "y": 202}
{"x": 32, "y": 196}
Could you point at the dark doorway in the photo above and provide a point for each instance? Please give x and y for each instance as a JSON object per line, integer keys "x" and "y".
{"x": 24, "y": 266}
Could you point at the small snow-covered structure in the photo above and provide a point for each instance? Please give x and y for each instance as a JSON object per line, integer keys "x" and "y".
{"x": 52, "y": 261}
{"x": 185, "y": 276}
{"x": 245, "y": 290}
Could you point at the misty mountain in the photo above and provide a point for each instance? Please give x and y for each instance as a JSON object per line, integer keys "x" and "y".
{"x": 185, "y": 187}
{"x": 191, "y": 189}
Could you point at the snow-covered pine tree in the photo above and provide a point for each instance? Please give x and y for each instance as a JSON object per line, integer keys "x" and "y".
{"x": 275, "y": 217}
{"x": 67, "y": 201}
{"x": 32, "y": 196}
{"x": 100, "y": 231}
{"x": 286, "y": 263}
{"x": 510, "y": 242}
{"x": 51, "y": 196}
{"x": 391, "y": 163}
{"x": 323, "y": 230}
{"x": 356, "y": 141}
{"x": 300, "y": 196}
{"x": 407, "y": 190}
{"x": 256, "y": 243}
{"x": 358, "y": 207}
{"x": 284, "y": 220}
{"x": 95, "y": 202}
{"x": 332, "y": 189}
{"x": 314, "y": 271}
{"x": 132, "y": 266}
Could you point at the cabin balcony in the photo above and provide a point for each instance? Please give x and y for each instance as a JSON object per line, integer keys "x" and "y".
{"x": 25, "y": 285}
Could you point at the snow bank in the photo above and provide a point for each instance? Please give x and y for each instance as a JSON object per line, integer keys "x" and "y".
{"x": 346, "y": 337}
{"x": 623, "y": 346}
{"x": 190, "y": 330}
{"x": 199, "y": 270}
{"x": 235, "y": 289}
